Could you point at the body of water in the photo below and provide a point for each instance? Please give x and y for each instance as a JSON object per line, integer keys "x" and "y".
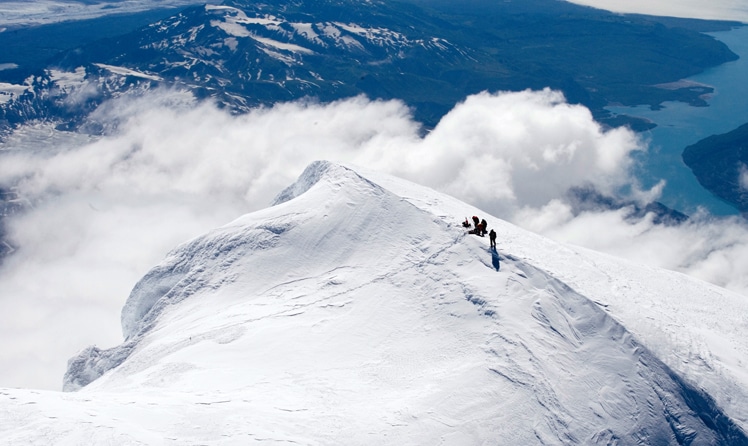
{"x": 680, "y": 125}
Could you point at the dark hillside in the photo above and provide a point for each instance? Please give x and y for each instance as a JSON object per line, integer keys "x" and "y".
{"x": 429, "y": 53}
{"x": 718, "y": 162}
{"x": 31, "y": 48}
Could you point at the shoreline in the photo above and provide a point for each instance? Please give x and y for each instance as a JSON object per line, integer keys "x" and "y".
{"x": 680, "y": 125}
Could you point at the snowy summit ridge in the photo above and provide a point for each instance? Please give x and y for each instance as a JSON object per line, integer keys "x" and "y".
{"x": 357, "y": 310}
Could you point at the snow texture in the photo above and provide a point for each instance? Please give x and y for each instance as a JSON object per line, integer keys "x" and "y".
{"x": 357, "y": 310}
{"x": 128, "y": 72}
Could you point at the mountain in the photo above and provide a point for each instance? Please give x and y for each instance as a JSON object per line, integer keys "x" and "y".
{"x": 719, "y": 163}
{"x": 429, "y": 54}
{"x": 357, "y": 310}
{"x": 585, "y": 199}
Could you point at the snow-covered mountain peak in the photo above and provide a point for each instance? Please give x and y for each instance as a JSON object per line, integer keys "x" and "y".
{"x": 358, "y": 309}
{"x": 246, "y": 237}
{"x": 302, "y": 37}
{"x": 335, "y": 211}
{"x": 241, "y": 54}
{"x": 315, "y": 172}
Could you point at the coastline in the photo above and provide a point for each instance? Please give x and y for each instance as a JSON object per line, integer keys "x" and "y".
{"x": 680, "y": 125}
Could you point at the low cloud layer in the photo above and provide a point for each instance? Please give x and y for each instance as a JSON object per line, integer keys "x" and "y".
{"x": 733, "y": 10}
{"x": 24, "y": 12}
{"x": 104, "y": 211}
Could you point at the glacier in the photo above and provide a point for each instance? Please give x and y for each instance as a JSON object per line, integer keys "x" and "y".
{"x": 357, "y": 310}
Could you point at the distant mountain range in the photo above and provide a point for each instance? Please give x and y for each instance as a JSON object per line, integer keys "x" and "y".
{"x": 429, "y": 54}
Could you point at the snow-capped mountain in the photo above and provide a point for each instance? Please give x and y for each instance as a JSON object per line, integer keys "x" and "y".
{"x": 358, "y": 310}
{"x": 242, "y": 54}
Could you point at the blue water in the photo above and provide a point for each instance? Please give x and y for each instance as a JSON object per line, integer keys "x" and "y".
{"x": 680, "y": 125}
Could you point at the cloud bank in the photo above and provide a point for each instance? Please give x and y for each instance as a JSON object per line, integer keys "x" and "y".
{"x": 733, "y": 10}
{"x": 39, "y": 12}
{"x": 103, "y": 211}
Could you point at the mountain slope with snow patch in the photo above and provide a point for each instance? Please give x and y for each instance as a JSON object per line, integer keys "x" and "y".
{"x": 358, "y": 311}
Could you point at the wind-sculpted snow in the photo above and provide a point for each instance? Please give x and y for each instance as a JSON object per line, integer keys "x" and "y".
{"x": 311, "y": 175}
{"x": 350, "y": 314}
{"x": 606, "y": 349}
{"x": 91, "y": 363}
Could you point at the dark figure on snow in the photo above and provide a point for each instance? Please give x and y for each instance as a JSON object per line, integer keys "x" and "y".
{"x": 466, "y": 223}
{"x": 483, "y": 226}
{"x": 480, "y": 229}
{"x": 492, "y": 238}
{"x": 476, "y": 222}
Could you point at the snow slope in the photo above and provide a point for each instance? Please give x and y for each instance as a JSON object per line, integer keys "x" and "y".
{"x": 358, "y": 311}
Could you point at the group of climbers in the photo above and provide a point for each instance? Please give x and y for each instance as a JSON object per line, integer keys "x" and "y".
{"x": 479, "y": 228}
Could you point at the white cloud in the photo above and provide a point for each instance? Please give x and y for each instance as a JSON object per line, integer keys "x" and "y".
{"x": 734, "y": 10}
{"x": 105, "y": 211}
{"x": 711, "y": 249}
{"x": 743, "y": 177}
{"x": 526, "y": 148}
{"x": 17, "y": 12}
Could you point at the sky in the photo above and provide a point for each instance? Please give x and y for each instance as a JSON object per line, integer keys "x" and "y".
{"x": 735, "y": 10}
{"x": 103, "y": 211}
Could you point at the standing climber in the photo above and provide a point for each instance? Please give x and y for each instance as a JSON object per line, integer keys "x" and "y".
{"x": 476, "y": 222}
{"x": 483, "y": 226}
{"x": 492, "y": 238}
